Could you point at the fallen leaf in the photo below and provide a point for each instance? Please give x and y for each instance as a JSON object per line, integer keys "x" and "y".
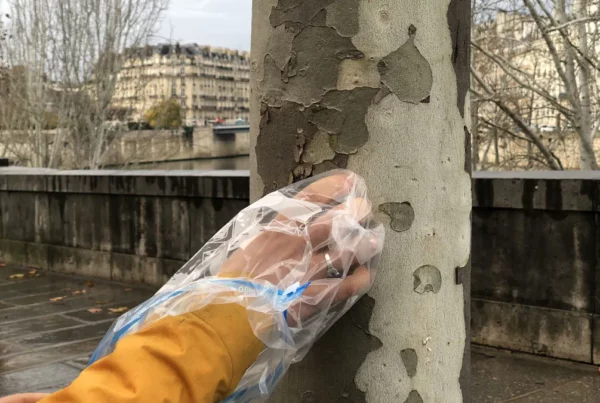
{"x": 83, "y": 291}
{"x": 16, "y": 276}
{"x": 32, "y": 272}
{"x": 76, "y": 292}
{"x": 57, "y": 299}
{"x": 90, "y": 283}
{"x": 118, "y": 310}
{"x": 2, "y": 264}
{"x": 94, "y": 310}
{"x": 128, "y": 289}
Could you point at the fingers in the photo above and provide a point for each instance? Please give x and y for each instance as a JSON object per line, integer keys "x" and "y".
{"x": 356, "y": 284}
{"x": 325, "y": 293}
{"x": 322, "y": 295}
{"x": 356, "y": 252}
{"x": 329, "y": 189}
{"x": 319, "y": 265}
{"x": 319, "y": 231}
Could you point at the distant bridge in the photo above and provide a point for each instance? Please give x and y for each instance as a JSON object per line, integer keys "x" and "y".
{"x": 230, "y": 129}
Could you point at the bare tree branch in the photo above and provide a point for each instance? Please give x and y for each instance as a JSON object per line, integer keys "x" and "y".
{"x": 70, "y": 53}
{"x": 519, "y": 122}
{"x": 511, "y": 69}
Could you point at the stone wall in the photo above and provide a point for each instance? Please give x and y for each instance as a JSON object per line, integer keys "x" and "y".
{"x": 536, "y": 277}
{"x": 138, "y": 146}
{"x": 164, "y": 145}
{"x": 132, "y": 226}
{"x": 536, "y": 270}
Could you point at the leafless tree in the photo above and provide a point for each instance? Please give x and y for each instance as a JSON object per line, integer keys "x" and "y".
{"x": 64, "y": 60}
{"x": 537, "y": 62}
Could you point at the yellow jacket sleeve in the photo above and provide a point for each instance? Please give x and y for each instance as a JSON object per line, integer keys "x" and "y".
{"x": 197, "y": 357}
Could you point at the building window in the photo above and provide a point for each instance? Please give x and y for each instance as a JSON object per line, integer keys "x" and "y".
{"x": 182, "y": 80}
{"x": 182, "y": 70}
{"x": 183, "y": 92}
{"x": 173, "y": 91}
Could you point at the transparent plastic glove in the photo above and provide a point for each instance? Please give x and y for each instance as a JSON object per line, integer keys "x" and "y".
{"x": 297, "y": 259}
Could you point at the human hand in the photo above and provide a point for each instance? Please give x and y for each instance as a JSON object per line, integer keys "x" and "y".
{"x": 332, "y": 250}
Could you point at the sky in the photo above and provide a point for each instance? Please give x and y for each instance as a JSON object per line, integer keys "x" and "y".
{"x": 223, "y": 23}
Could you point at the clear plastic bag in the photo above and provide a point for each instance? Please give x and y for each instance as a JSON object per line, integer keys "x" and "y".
{"x": 297, "y": 259}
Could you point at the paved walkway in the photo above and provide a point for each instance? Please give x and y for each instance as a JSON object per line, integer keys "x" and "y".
{"x": 500, "y": 377}
{"x": 49, "y": 325}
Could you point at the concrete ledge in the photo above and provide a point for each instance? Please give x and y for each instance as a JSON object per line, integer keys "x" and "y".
{"x": 565, "y": 191}
{"x": 132, "y": 226}
{"x": 535, "y": 330}
{"x": 207, "y": 184}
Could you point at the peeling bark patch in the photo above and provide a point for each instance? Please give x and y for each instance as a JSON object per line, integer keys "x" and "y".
{"x": 384, "y": 92}
{"x": 324, "y": 167}
{"x": 318, "y": 150}
{"x": 468, "y": 150}
{"x": 296, "y": 11}
{"x": 313, "y": 68}
{"x": 427, "y": 279}
{"x": 302, "y": 171}
{"x": 406, "y": 73}
{"x": 327, "y": 119}
{"x": 328, "y": 355}
{"x": 272, "y": 81}
{"x": 401, "y": 215}
{"x": 280, "y": 130}
{"x": 341, "y": 160}
{"x": 288, "y": 4}
{"x": 410, "y": 360}
{"x": 320, "y": 20}
{"x": 462, "y": 273}
{"x": 308, "y": 56}
{"x": 414, "y": 397}
{"x": 279, "y": 45}
{"x": 343, "y": 16}
{"x": 353, "y": 105}
{"x": 358, "y": 73}
{"x": 459, "y": 23}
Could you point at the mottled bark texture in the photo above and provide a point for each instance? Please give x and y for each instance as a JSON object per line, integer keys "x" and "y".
{"x": 378, "y": 87}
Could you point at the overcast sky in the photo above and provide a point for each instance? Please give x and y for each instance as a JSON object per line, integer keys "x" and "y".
{"x": 208, "y": 22}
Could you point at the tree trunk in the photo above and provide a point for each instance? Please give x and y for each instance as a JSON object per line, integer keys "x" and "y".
{"x": 586, "y": 140}
{"x": 496, "y": 149}
{"x": 380, "y": 88}
{"x": 475, "y": 134}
